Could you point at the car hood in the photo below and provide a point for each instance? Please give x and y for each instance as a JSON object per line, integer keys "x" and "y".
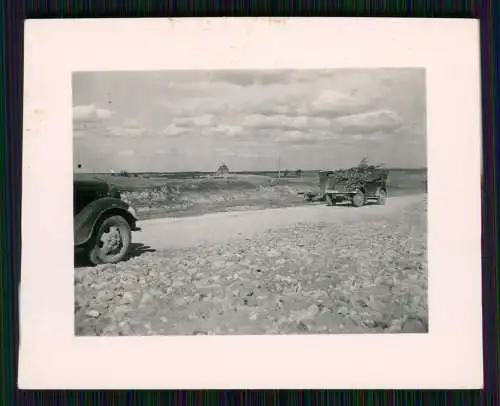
{"x": 89, "y": 184}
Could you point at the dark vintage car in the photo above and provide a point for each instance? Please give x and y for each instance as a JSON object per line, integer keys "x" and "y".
{"x": 102, "y": 221}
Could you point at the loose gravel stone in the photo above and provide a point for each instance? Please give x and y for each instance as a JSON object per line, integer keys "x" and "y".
{"x": 92, "y": 313}
{"x": 362, "y": 275}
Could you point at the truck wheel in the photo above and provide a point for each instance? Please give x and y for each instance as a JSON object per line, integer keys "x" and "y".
{"x": 329, "y": 200}
{"x": 111, "y": 241}
{"x": 381, "y": 197}
{"x": 358, "y": 199}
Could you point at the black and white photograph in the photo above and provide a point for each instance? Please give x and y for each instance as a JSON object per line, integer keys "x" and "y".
{"x": 212, "y": 202}
{"x": 251, "y": 203}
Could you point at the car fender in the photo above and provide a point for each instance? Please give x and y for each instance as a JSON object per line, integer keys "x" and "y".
{"x": 86, "y": 220}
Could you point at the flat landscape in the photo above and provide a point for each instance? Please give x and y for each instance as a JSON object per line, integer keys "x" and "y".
{"x": 246, "y": 254}
{"x": 157, "y": 195}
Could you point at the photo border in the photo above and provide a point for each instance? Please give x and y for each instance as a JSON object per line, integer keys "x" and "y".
{"x": 450, "y": 356}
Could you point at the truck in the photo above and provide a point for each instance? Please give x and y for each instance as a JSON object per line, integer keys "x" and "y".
{"x": 357, "y": 185}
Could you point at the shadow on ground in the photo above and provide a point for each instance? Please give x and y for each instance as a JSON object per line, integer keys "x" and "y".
{"x": 348, "y": 204}
{"x": 136, "y": 250}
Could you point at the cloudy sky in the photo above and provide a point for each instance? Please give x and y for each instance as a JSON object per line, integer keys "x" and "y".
{"x": 194, "y": 120}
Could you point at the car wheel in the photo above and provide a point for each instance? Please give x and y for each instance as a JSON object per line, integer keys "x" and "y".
{"x": 111, "y": 241}
{"x": 358, "y": 199}
{"x": 329, "y": 200}
{"x": 381, "y": 197}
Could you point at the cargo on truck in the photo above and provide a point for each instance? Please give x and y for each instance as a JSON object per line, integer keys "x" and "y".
{"x": 357, "y": 185}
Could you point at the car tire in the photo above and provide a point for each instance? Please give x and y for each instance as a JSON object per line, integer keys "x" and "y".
{"x": 358, "y": 199}
{"x": 111, "y": 233}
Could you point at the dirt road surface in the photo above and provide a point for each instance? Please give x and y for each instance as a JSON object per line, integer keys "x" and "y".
{"x": 311, "y": 269}
{"x": 219, "y": 227}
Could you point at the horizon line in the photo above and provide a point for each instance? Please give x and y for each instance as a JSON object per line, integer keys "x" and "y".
{"x": 243, "y": 170}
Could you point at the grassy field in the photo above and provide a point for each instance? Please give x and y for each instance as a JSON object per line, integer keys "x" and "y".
{"x": 192, "y": 193}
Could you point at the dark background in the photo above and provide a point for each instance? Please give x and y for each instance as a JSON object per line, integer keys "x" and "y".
{"x": 12, "y": 16}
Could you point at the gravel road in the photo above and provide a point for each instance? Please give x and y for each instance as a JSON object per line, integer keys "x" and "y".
{"x": 312, "y": 269}
{"x": 219, "y": 227}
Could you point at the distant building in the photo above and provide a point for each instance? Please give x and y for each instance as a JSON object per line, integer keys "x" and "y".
{"x": 223, "y": 170}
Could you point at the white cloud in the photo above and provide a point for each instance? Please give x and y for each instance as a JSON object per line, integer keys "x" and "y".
{"x": 127, "y": 152}
{"x": 195, "y": 121}
{"x": 173, "y": 129}
{"x": 285, "y": 121}
{"x": 130, "y": 128}
{"x": 119, "y": 131}
{"x": 305, "y": 136}
{"x": 220, "y": 96}
{"x": 90, "y": 112}
{"x": 332, "y": 101}
{"x": 227, "y": 153}
{"x": 248, "y": 154}
{"x": 302, "y": 147}
{"x": 294, "y": 135}
{"x": 227, "y": 129}
{"x": 131, "y": 123}
{"x": 371, "y": 121}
